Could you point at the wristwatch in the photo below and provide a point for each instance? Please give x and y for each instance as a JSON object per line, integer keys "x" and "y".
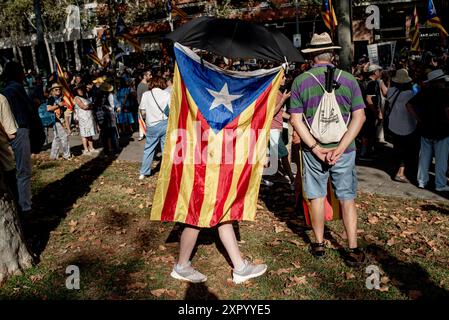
{"x": 314, "y": 146}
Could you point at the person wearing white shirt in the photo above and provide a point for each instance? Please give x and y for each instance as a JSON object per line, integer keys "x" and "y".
{"x": 152, "y": 106}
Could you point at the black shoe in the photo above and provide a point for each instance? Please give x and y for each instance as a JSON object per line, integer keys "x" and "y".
{"x": 355, "y": 257}
{"x": 318, "y": 250}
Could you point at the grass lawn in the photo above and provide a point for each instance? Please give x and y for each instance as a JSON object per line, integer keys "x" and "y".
{"x": 94, "y": 214}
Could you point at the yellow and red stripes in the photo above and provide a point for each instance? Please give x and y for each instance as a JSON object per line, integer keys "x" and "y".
{"x": 207, "y": 178}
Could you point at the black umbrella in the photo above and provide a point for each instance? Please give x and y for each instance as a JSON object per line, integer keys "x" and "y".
{"x": 234, "y": 38}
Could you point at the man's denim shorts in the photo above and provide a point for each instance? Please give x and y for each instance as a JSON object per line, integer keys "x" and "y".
{"x": 343, "y": 177}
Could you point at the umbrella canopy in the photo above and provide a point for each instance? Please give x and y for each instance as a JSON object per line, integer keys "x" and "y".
{"x": 234, "y": 38}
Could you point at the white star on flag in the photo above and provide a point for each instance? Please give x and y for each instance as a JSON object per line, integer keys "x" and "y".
{"x": 223, "y": 98}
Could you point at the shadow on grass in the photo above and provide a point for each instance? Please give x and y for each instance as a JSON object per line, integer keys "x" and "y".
{"x": 432, "y": 207}
{"x": 408, "y": 276}
{"x": 57, "y": 198}
{"x": 199, "y": 291}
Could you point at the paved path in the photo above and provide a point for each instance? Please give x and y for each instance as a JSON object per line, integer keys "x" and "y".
{"x": 373, "y": 177}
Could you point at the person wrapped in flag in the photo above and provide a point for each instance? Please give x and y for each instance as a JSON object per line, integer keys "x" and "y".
{"x": 214, "y": 154}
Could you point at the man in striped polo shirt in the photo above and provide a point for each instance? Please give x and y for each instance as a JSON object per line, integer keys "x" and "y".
{"x": 336, "y": 160}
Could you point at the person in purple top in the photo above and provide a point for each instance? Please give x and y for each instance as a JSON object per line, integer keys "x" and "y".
{"x": 334, "y": 160}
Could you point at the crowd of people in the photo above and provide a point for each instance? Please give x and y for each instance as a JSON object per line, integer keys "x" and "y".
{"x": 407, "y": 105}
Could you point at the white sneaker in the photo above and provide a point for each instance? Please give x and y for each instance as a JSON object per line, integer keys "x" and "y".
{"x": 187, "y": 273}
{"x": 249, "y": 271}
{"x": 421, "y": 185}
{"x": 445, "y": 188}
{"x": 141, "y": 177}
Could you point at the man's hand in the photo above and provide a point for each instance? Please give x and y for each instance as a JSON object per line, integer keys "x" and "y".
{"x": 322, "y": 153}
{"x": 332, "y": 157}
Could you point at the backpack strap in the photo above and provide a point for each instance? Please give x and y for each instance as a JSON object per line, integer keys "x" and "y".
{"x": 339, "y": 74}
{"x": 313, "y": 76}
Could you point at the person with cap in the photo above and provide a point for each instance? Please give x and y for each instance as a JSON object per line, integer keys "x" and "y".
{"x": 56, "y": 104}
{"x": 430, "y": 107}
{"x": 372, "y": 112}
{"x": 401, "y": 125}
{"x": 334, "y": 160}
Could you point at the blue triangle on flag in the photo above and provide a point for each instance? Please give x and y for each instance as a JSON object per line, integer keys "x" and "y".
{"x": 220, "y": 97}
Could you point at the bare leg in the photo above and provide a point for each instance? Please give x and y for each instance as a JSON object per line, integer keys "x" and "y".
{"x": 401, "y": 171}
{"x": 349, "y": 213}
{"x": 188, "y": 240}
{"x": 227, "y": 237}
{"x": 317, "y": 216}
{"x": 90, "y": 143}
{"x": 84, "y": 140}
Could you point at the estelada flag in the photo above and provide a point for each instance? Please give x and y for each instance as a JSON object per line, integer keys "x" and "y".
{"x": 68, "y": 97}
{"x": 216, "y": 142}
{"x": 433, "y": 20}
{"x": 328, "y": 14}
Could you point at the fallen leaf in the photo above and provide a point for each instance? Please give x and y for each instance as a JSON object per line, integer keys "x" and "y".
{"x": 373, "y": 219}
{"x": 349, "y": 276}
{"x": 162, "y": 248}
{"x": 141, "y": 206}
{"x": 295, "y": 280}
{"x": 129, "y": 190}
{"x": 73, "y": 223}
{"x": 258, "y": 261}
{"x": 296, "y": 264}
{"x": 158, "y": 292}
{"x": 287, "y": 291}
{"x": 297, "y": 243}
{"x": 136, "y": 285}
{"x": 278, "y": 229}
{"x": 391, "y": 242}
{"x": 384, "y": 280}
{"x": 274, "y": 243}
{"x": 407, "y": 251}
{"x": 281, "y": 271}
{"x": 36, "y": 277}
{"x": 384, "y": 289}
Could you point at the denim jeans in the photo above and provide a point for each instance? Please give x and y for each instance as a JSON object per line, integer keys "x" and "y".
{"x": 22, "y": 154}
{"x": 155, "y": 134}
{"x": 441, "y": 148}
{"x": 60, "y": 138}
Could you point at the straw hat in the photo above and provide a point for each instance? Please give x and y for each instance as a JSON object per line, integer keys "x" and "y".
{"x": 55, "y": 86}
{"x": 106, "y": 87}
{"x": 99, "y": 80}
{"x": 437, "y": 74}
{"x": 320, "y": 42}
{"x": 401, "y": 76}
{"x": 374, "y": 67}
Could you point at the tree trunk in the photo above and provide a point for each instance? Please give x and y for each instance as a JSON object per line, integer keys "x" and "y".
{"x": 33, "y": 54}
{"x": 49, "y": 52}
{"x": 344, "y": 18}
{"x": 40, "y": 36}
{"x": 14, "y": 255}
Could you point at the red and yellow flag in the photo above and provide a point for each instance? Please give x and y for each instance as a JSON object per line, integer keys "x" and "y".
{"x": 216, "y": 142}
{"x": 328, "y": 14}
{"x": 68, "y": 97}
{"x": 414, "y": 35}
